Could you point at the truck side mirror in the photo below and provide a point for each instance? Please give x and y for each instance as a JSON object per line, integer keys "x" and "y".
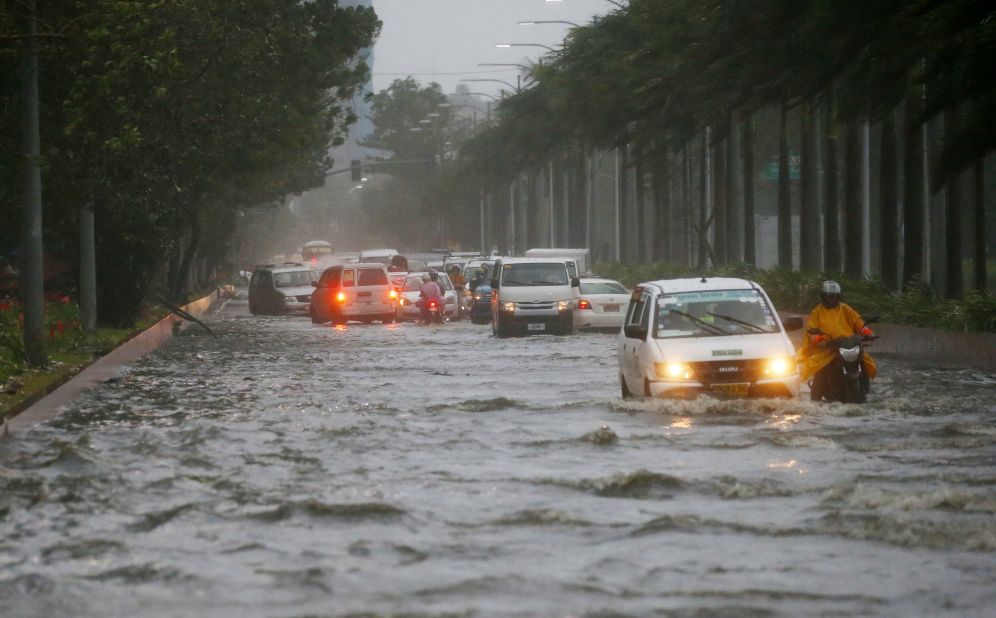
{"x": 635, "y": 331}
{"x": 575, "y": 282}
{"x": 494, "y": 284}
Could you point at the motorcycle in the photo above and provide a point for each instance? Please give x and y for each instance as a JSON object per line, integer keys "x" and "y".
{"x": 844, "y": 378}
{"x": 434, "y": 312}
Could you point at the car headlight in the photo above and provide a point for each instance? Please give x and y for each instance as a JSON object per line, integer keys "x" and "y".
{"x": 674, "y": 371}
{"x": 288, "y": 299}
{"x": 477, "y": 297}
{"x": 779, "y": 367}
{"x": 563, "y": 305}
{"x": 508, "y": 306}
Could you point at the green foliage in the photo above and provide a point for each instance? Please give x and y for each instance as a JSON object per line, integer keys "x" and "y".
{"x": 165, "y": 117}
{"x": 799, "y": 292}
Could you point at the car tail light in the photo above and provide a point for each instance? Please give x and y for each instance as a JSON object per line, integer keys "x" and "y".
{"x": 584, "y": 304}
{"x": 393, "y": 295}
{"x": 433, "y": 304}
{"x": 341, "y": 297}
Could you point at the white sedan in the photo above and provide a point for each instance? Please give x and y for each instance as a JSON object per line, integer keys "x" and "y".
{"x": 601, "y": 305}
{"x": 407, "y": 308}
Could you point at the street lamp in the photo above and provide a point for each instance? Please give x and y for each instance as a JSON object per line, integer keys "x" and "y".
{"x": 500, "y": 81}
{"x": 485, "y": 94}
{"x": 503, "y": 64}
{"x": 549, "y": 21}
{"x": 504, "y": 45}
{"x": 618, "y": 4}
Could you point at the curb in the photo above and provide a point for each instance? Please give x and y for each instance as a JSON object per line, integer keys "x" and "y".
{"x": 47, "y": 406}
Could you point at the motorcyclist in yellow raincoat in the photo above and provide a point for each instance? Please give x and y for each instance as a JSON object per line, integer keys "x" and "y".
{"x": 834, "y": 319}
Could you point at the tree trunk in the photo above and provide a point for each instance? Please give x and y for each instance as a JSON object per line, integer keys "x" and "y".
{"x": 178, "y": 294}
{"x": 979, "y": 177}
{"x": 852, "y": 199}
{"x": 88, "y": 270}
{"x": 809, "y": 201}
{"x": 784, "y": 193}
{"x": 889, "y": 190}
{"x": 31, "y": 265}
{"x": 913, "y": 191}
{"x": 747, "y": 154}
{"x": 831, "y": 213}
{"x": 954, "y": 285}
{"x": 719, "y": 207}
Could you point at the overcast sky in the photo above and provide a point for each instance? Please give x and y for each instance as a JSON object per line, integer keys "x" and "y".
{"x": 445, "y": 40}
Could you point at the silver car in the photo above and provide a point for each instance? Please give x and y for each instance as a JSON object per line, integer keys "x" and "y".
{"x": 281, "y": 288}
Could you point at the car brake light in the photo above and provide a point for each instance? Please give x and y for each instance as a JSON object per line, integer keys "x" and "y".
{"x": 392, "y": 295}
{"x": 341, "y": 297}
{"x": 583, "y": 304}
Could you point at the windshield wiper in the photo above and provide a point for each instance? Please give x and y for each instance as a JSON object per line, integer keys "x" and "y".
{"x": 755, "y": 327}
{"x": 706, "y": 325}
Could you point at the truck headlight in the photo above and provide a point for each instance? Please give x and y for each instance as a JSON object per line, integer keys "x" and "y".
{"x": 779, "y": 367}
{"x": 508, "y": 306}
{"x": 674, "y": 371}
{"x": 563, "y": 305}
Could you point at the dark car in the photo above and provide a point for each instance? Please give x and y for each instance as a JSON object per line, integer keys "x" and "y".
{"x": 480, "y": 308}
{"x": 281, "y": 288}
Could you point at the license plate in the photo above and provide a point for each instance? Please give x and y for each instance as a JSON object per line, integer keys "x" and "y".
{"x": 535, "y": 326}
{"x": 739, "y": 389}
{"x": 610, "y": 308}
{"x": 363, "y": 294}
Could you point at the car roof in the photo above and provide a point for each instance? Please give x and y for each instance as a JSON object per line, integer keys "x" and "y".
{"x": 354, "y": 265}
{"x": 599, "y": 280}
{"x": 285, "y": 267}
{"x": 698, "y": 284}
{"x": 531, "y": 260}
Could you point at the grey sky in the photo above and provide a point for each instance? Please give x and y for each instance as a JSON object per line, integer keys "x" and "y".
{"x": 444, "y": 40}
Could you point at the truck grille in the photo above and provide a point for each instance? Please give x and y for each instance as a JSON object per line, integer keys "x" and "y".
{"x": 717, "y": 372}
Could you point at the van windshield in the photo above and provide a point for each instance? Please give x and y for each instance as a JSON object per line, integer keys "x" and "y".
{"x": 293, "y": 279}
{"x": 713, "y": 313}
{"x": 526, "y": 275}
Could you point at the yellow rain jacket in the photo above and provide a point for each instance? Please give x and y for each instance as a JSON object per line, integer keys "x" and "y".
{"x": 841, "y": 321}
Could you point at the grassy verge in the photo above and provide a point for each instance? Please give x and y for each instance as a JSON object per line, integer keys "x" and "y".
{"x": 69, "y": 350}
{"x": 794, "y": 291}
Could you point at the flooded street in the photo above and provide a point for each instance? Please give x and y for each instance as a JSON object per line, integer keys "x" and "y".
{"x": 287, "y": 469}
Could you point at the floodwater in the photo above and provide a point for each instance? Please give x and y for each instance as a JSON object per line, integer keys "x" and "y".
{"x": 286, "y": 469}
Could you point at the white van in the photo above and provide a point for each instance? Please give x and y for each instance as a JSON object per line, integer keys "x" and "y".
{"x": 683, "y": 337}
{"x": 359, "y": 292}
{"x": 578, "y": 260}
{"x": 381, "y": 256}
{"x": 532, "y": 295}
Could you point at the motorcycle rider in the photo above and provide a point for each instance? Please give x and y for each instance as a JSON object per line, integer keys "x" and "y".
{"x": 459, "y": 282}
{"x": 430, "y": 290}
{"x": 834, "y": 319}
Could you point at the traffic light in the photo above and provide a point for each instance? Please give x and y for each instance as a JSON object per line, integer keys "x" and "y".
{"x": 355, "y": 170}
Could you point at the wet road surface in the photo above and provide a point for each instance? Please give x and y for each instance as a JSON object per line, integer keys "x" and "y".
{"x": 286, "y": 469}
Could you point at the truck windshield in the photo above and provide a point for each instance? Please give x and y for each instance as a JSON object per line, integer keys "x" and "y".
{"x": 525, "y": 275}
{"x": 713, "y": 313}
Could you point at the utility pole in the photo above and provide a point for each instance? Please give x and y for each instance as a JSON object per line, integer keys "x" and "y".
{"x": 31, "y": 266}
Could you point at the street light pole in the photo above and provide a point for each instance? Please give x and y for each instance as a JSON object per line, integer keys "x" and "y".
{"x": 617, "y": 213}
{"x": 550, "y": 182}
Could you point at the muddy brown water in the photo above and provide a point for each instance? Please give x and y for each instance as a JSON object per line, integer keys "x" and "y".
{"x": 286, "y": 469}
